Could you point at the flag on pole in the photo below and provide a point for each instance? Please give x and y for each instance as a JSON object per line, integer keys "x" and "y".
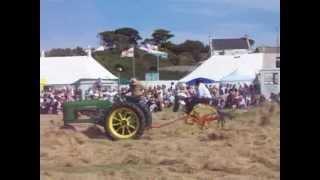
{"x": 128, "y": 53}
{"x": 148, "y": 47}
{"x": 152, "y": 49}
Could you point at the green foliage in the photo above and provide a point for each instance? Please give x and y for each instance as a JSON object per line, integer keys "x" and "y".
{"x": 112, "y": 40}
{"x": 120, "y": 39}
{"x": 172, "y": 75}
{"x": 206, "y": 49}
{"x": 186, "y": 53}
{"x": 161, "y": 36}
{"x": 131, "y": 33}
{"x": 174, "y": 59}
{"x": 59, "y": 52}
{"x": 169, "y": 46}
{"x": 186, "y": 58}
{"x": 194, "y": 47}
{"x": 143, "y": 63}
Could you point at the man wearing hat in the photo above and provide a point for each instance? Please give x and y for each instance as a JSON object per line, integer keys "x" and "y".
{"x": 137, "y": 97}
{"x": 136, "y": 89}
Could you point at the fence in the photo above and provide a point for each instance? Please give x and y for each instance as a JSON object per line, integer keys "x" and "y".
{"x": 155, "y": 83}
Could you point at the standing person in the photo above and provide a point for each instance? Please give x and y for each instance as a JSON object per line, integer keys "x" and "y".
{"x": 229, "y": 99}
{"x": 98, "y": 84}
{"x": 180, "y": 95}
{"x": 202, "y": 96}
{"x": 202, "y": 92}
{"x": 54, "y": 105}
{"x": 159, "y": 99}
{"x": 190, "y": 91}
{"x": 91, "y": 94}
{"x": 221, "y": 91}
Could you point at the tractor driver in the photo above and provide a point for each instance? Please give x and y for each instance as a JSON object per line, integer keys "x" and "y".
{"x": 136, "y": 89}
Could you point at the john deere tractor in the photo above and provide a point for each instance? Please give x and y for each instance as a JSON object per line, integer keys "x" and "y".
{"x": 125, "y": 118}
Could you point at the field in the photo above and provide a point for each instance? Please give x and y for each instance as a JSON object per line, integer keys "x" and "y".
{"x": 248, "y": 147}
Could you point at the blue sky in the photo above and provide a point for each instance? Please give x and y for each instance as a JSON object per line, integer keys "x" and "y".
{"x": 70, "y": 23}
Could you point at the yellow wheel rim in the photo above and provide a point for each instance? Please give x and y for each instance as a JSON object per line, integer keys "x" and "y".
{"x": 123, "y": 123}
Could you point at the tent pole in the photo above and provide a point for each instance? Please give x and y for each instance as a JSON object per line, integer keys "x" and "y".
{"x": 119, "y": 83}
{"x": 133, "y": 67}
{"x": 158, "y": 67}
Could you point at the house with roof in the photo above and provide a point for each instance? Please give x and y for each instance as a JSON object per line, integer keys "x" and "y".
{"x": 271, "y": 57}
{"x": 270, "y": 72}
{"x": 231, "y": 46}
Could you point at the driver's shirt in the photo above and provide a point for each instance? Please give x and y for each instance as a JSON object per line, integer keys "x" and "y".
{"x": 203, "y": 91}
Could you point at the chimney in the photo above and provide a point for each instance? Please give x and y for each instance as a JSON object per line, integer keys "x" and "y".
{"x": 43, "y": 53}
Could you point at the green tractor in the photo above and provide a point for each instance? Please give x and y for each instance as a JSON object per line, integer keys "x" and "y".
{"x": 125, "y": 118}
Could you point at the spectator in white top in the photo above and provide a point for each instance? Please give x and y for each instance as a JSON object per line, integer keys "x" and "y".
{"x": 202, "y": 90}
{"x": 202, "y": 96}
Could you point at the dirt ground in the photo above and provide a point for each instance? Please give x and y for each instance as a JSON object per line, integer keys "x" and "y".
{"x": 248, "y": 147}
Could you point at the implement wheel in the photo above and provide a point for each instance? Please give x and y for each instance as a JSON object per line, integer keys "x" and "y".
{"x": 124, "y": 121}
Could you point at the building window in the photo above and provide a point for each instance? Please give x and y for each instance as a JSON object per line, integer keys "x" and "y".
{"x": 275, "y": 78}
{"x": 268, "y": 78}
{"x": 278, "y": 64}
{"x": 271, "y": 78}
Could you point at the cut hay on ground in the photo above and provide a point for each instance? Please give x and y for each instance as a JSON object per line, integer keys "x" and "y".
{"x": 247, "y": 148}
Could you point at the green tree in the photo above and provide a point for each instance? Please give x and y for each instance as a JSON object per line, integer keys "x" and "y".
{"x": 107, "y": 38}
{"x": 161, "y": 36}
{"x": 194, "y": 47}
{"x": 174, "y": 59}
{"x": 112, "y": 40}
{"x": 119, "y": 39}
{"x": 79, "y": 51}
{"x": 131, "y": 33}
{"x": 206, "y": 49}
{"x": 169, "y": 46}
{"x": 56, "y": 52}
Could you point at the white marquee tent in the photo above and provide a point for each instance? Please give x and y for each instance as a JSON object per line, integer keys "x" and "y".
{"x": 68, "y": 70}
{"x": 228, "y": 68}
{"x": 237, "y": 76}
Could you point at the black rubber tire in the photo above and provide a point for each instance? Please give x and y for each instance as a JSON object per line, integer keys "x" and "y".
{"x": 147, "y": 115}
{"x": 133, "y": 107}
{"x": 144, "y": 108}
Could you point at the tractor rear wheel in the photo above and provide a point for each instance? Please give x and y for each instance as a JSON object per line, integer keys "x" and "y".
{"x": 124, "y": 121}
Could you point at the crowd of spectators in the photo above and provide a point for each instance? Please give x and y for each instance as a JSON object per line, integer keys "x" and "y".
{"x": 52, "y": 99}
{"x": 156, "y": 97}
{"x": 227, "y": 95}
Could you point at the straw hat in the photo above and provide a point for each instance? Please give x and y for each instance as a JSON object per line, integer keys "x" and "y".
{"x": 133, "y": 81}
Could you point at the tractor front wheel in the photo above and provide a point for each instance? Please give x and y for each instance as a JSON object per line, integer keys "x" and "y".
{"x": 125, "y": 121}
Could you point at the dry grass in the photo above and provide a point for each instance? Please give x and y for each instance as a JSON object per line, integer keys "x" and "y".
{"x": 247, "y": 148}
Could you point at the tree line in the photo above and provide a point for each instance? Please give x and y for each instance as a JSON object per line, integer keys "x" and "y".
{"x": 120, "y": 39}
